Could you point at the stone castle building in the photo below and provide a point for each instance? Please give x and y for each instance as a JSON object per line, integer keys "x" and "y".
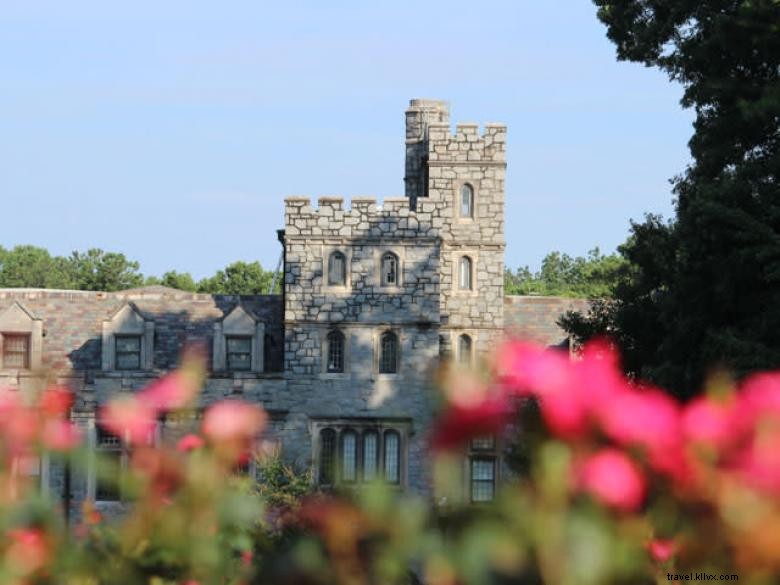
{"x": 375, "y": 294}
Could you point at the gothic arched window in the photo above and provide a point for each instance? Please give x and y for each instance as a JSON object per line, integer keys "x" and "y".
{"x": 466, "y": 200}
{"x": 464, "y": 350}
{"x": 370, "y": 455}
{"x": 349, "y": 456}
{"x": 388, "y": 353}
{"x": 392, "y": 459}
{"x": 337, "y": 269}
{"x": 327, "y": 456}
{"x": 389, "y": 269}
{"x": 464, "y": 273}
{"x": 335, "y": 352}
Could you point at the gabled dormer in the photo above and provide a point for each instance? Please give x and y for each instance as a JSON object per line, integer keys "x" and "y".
{"x": 21, "y": 338}
{"x": 238, "y": 342}
{"x": 128, "y": 341}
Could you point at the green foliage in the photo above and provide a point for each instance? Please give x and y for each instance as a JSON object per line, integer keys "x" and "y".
{"x": 593, "y": 276}
{"x": 108, "y": 271}
{"x": 282, "y": 486}
{"x": 239, "y": 278}
{"x": 704, "y": 290}
{"x": 179, "y": 280}
{"x": 33, "y": 267}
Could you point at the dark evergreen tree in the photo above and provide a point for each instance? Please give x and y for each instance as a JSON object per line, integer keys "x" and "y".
{"x": 717, "y": 301}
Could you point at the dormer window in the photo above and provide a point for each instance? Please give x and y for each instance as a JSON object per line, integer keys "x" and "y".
{"x": 127, "y": 352}
{"x": 389, "y": 269}
{"x": 466, "y": 200}
{"x": 239, "y": 353}
{"x": 16, "y": 351}
{"x": 337, "y": 269}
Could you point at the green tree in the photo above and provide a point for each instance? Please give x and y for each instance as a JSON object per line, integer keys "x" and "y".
{"x": 106, "y": 271}
{"x": 33, "y": 267}
{"x": 239, "y": 278}
{"x": 711, "y": 293}
{"x": 593, "y": 276}
{"x": 178, "y": 280}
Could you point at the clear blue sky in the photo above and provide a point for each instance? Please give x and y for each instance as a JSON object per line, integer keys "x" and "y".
{"x": 171, "y": 131}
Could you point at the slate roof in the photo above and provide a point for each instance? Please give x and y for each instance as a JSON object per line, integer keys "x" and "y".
{"x": 534, "y": 318}
{"x": 72, "y": 320}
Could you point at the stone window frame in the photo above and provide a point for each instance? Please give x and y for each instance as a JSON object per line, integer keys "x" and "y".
{"x": 457, "y": 185}
{"x": 325, "y": 345}
{"x": 327, "y": 251}
{"x": 400, "y": 256}
{"x": 361, "y": 427}
{"x": 127, "y": 320}
{"x": 125, "y": 451}
{"x": 456, "y": 349}
{"x": 481, "y": 452}
{"x": 378, "y": 334}
{"x": 15, "y": 320}
{"x": 456, "y": 257}
{"x": 238, "y": 322}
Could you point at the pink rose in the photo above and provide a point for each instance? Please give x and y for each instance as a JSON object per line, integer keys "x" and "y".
{"x": 613, "y": 479}
{"x": 232, "y": 420}
{"x": 190, "y": 442}
{"x": 129, "y": 419}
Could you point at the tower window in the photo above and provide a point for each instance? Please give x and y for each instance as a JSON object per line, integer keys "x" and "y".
{"x": 464, "y": 351}
{"x": 464, "y": 273}
{"x": 335, "y": 353}
{"x": 388, "y": 353}
{"x": 327, "y": 456}
{"x": 466, "y": 200}
{"x": 348, "y": 456}
{"x": 370, "y": 455}
{"x": 389, "y": 269}
{"x": 392, "y": 457}
{"x": 337, "y": 269}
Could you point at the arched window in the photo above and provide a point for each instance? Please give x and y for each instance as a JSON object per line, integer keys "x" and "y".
{"x": 327, "y": 456}
{"x": 466, "y": 200}
{"x": 389, "y": 269}
{"x": 348, "y": 456}
{"x": 464, "y": 351}
{"x": 370, "y": 455}
{"x": 392, "y": 459}
{"x": 337, "y": 269}
{"x": 464, "y": 273}
{"x": 388, "y": 353}
{"x": 335, "y": 353}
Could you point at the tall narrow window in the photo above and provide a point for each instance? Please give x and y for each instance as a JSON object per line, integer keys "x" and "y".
{"x": 239, "y": 353}
{"x": 109, "y": 449}
{"x": 466, "y": 200}
{"x": 389, "y": 269}
{"x": 464, "y": 273}
{"x": 464, "y": 351}
{"x": 327, "y": 456}
{"x": 370, "y": 455}
{"x": 128, "y": 352}
{"x": 388, "y": 353}
{"x": 16, "y": 351}
{"x": 392, "y": 457}
{"x": 483, "y": 479}
{"x": 348, "y": 456}
{"x": 335, "y": 351}
{"x": 337, "y": 269}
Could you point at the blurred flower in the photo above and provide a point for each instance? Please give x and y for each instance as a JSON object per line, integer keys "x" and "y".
{"x": 190, "y": 442}
{"x": 458, "y": 423}
{"x": 28, "y": 551}
{"x": 129, "y": 419}
{"x": 175, "y": 390}
{"x": 60, "y": 435}
{"x": 232, "y": 420}
{"x": 661, "y": 550}
{"x": 55, "y": 402}
{"x": 613, "y": 479}
{"x": 716, "y": 424}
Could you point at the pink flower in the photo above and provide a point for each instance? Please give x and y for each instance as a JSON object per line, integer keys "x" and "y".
{"x": 644, "y": 417}
{"x": 711, "y": 423}
{"x": 613, "y": 479}
{"x": 169, "y": 392}
{"x": 129, "y": 419}
{"x": 758, "y": 464}
{"x": 662, "y": 550}
{"x": 232, "y": 420}
{"x": 60, "y": 435}
{"x": 526, "y": 368}
{"x": 28, "y": 550}
{"x": 460, "y": 423}
{"x": 55, "y": 402}
{"x": 190, "y": 442}
{"x": 564, "y": 414}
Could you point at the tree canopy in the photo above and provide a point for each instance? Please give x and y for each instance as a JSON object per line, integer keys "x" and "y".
{"x": 704, "y": 289}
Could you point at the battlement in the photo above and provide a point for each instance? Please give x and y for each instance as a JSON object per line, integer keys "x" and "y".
{"x": 467, "y": 144}
{"x": 365, "y": 217}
